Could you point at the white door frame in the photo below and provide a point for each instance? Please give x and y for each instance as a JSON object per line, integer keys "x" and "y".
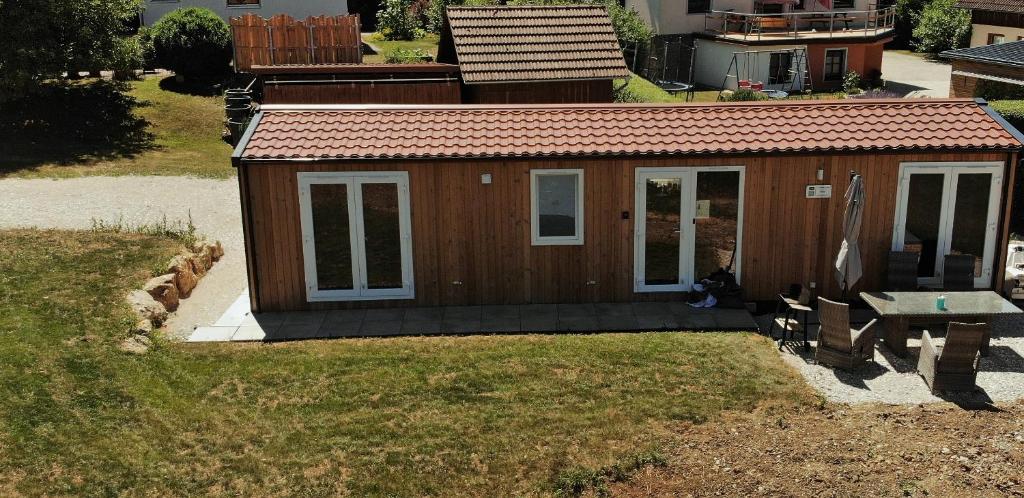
{"x": 357, "y": 235}
{"x": 687, "y": 175}
{"x": 951, "y": 171}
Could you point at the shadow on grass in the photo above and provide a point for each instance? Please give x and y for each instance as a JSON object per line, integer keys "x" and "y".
{"x": 211, "y": 87}
{"x": 71, "y": 123}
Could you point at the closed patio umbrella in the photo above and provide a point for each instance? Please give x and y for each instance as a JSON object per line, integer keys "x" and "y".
{"x": 848, "y": 264}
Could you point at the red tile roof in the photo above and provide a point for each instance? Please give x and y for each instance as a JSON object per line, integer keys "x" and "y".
{"x": 380, "y": 132}
{"x": 1016, "y": 6}
{"x": 535, "y": 43}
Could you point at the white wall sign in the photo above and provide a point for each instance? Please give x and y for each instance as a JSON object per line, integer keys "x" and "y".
{"x": 819, "y": 191}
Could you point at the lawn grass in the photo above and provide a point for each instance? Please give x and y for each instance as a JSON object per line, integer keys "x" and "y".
{"x": 427, "y": 44}
{"x": 155, "y": 132}
{"x": 486, "y": 415}
{"x": 646, "y": 91}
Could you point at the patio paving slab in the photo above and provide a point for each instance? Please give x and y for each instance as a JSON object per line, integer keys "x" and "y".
{"x": 238, "y": 324}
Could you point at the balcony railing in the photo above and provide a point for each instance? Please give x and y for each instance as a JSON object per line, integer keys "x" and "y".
{"x": 795, "y": 25}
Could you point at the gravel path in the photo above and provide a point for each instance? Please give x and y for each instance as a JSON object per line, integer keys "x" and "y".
{"x": 74, "y": 203}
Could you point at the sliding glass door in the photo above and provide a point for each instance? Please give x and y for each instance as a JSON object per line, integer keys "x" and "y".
{"x": 356, "y": 235}
{"x": 688, "y": 225}
{"x": 948, "y": 208}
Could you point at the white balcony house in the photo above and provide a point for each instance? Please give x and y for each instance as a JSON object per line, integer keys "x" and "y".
{"x": 788, "y": 20}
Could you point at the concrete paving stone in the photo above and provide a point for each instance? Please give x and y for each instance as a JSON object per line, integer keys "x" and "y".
{"x": 462, "y": 313}
{"x": 538, "y": 322}
{"x": 381, "y": 328}
{"x": 656, "y": 322}
{"x": 292, "y": 331}
{"x": 236, "y": 313}
{"x": 460, "y": 325}
{"x": 340, "y": 329}
{"x": 526, "y": 310}
{"x": 384, "y": 315}
{"x": 415, "y": 327}
{"x": 617, "y": 322}
{"x": 657, "y": 309}
{"x": 305, "y": 318}
{"x": 500, "y": 324}
{"x": 264, "y": 319}
{"x": 424, "y": 314}
{"x": 499, "y": 311}
{"x": 344, "y": 316}
{"x": 734, "y": 319}
{"x": 577, "y": 324}
{"x": 614, "y": 309}
{"x": 212, "y": 334}
{"x": 697, "y": 321}
{"x": 576, "y": 310}
{"x": 249, "y": 333}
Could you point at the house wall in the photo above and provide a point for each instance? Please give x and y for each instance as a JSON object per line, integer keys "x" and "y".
{"x": 299, "y": 9}
{"x": 477, "y": 234}
{"x": 548, "y": 92}
{"x": 980, "y": 32}
{"x": 713, "y": 58}
{"x": 965, "y": 86}
{"x": 670, "y": 17}
{"x": 864, "y": 58}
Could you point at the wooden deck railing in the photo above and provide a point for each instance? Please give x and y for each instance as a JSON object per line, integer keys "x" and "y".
{"x": 793, "y": 25}
{"x": 284, "y": 40}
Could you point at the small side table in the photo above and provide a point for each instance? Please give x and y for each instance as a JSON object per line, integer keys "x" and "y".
{"x": 792, "y": 308}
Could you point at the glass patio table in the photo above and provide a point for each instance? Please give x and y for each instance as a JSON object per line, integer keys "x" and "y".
{"x": 899, "y": 309}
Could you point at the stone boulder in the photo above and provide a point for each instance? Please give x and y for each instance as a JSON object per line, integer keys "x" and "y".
{"x": 136, "y": 344}
{"x": 163, "y": 290}
{"x": 185, "y": 278}
{"x": 218, "y": 250}
{"x": 146, "y": 307}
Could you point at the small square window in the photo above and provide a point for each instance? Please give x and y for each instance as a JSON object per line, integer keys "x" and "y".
{"x": 835, "y": 64}
{"x": 698, "y": 6}
{"x": 996, "y": 38}
{"x": 556, "y": 197}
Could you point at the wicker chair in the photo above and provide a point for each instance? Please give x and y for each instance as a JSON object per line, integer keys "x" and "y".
{"x": 953, "y": 364}
{"x": 958, "y": 272}
{"x": 902, "y": 271}
{"x": 840, "y": 346}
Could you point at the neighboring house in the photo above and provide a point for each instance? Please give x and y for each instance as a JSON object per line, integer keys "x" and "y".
{"x": 987, "y": 71}
{"x": 153, "y": 10}
{"x": 995, "y": 21}
{"x": 826, "y": 37}
{"x": 369, "y": 206}
{"x": 533, "y": 54}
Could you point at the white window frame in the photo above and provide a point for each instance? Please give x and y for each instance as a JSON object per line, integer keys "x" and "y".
{"x": 846, "y": 63}
{"x": 535, "y": 237}
{"x": 687, "y": 250}
{"x": 951, "y": 172}
{"x": 354, "y": 182}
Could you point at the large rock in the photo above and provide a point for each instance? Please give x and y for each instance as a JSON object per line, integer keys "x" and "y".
{"x": 163, "y": 290}
{"x": 146, "y": 307}
{"x": 185, "y": 278}
{"x": 136, "y": 344}
{"x": 218, "y": 250}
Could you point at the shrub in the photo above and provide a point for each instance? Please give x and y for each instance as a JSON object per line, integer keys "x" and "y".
{"x": 406, "y": 56}
{"x": 629, "y": 26}
{"x": 852, "y": 83}
{"x": 145, "y": 41}
{"x": 942, "y": 26}
{"x": 435, "y": 14}
{"x": 745, "y": 95}
{"x": 997, "y": 90}
{"x": 193, "y": 42}
{"x": 1011, "y": 110}
{"x": 397, "y": 21}
{"x": 127, "y": 58}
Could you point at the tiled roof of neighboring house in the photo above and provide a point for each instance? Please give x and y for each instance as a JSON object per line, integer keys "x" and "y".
{"x": 1016, "y": 6}
{"x": 535, "y": 43}
{"x": 1004, "y": 54}
{"x": 383, "y": 132}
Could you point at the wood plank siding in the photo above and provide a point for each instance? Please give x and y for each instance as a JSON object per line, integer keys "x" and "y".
{"x": 541, "y": 92}
{"x": 370, "y": 92}
{"x": 479, "y": 234}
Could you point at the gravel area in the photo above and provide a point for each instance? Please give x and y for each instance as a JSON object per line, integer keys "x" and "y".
{"x": 212, "y": 204}
{"x": 894, "y": 380}
{"x": 914, "y": 76}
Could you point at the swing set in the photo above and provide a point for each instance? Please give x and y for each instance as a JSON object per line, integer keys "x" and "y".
{"x": 745, "y": 73}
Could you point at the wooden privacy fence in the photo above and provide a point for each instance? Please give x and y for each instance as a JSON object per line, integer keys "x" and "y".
{"x": 284, "y": 40}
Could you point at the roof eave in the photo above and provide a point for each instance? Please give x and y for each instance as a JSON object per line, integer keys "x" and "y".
{"x": 237, "y": 156}
{"x": 998, "y": 118}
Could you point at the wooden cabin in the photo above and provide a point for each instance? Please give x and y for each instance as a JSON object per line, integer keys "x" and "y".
{"x": 533, "y": 54}
{"x": 364, "y": 206}
{"x": 425, "y": 83}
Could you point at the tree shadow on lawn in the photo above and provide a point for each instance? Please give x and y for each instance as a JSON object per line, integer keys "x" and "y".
{"x": 72, "y": 123}
{"x": 198, "y": 87}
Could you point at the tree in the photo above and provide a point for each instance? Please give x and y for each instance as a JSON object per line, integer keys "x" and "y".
{"x": 42, "y": 39}
{"x": 942, "y": 26}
